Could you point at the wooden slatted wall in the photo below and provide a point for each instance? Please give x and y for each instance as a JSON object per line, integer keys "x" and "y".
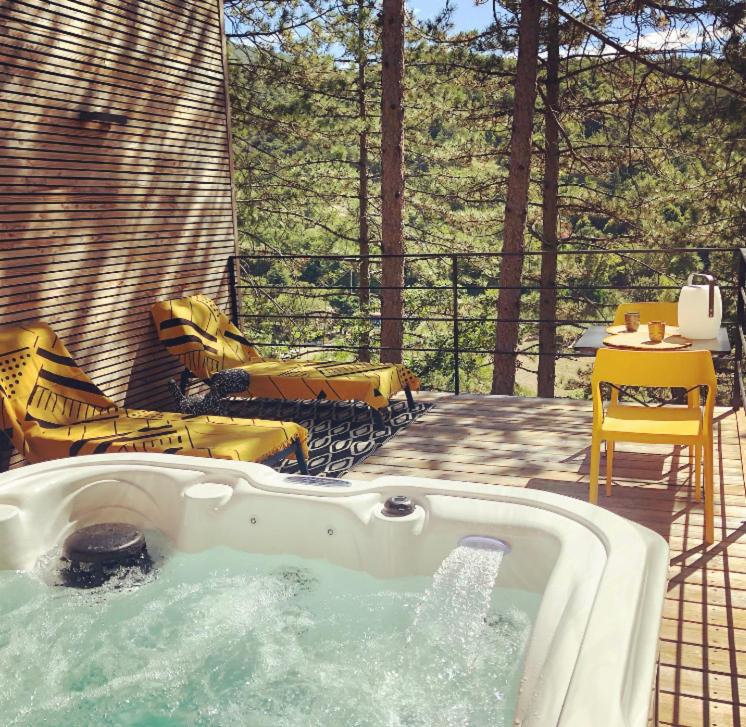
{"x": 99, "y": 220}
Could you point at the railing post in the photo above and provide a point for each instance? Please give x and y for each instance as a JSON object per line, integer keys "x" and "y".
{"x": 740, "y": 320}
{"x": 456, "y": 333}
{"x": 232, "y": 261}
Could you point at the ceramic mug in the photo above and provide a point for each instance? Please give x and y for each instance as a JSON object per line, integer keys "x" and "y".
{"x": 657, "y": 331}
{"x": 632, "y": 321}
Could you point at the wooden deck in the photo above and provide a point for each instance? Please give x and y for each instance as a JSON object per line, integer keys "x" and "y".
{"x": 543, "y": 444}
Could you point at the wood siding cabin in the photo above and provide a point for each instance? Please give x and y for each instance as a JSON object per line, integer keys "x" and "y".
{"x": 115, "y": 176}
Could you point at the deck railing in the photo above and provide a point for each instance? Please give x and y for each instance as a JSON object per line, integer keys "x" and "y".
{"x": 306, "y": 304}
{"x": 739, "y": 342}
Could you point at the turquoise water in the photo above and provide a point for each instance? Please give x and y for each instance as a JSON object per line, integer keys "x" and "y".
{"x": 230, "y": 638}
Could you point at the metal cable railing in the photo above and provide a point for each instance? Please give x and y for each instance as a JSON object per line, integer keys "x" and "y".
{"x": 448, "y": 296}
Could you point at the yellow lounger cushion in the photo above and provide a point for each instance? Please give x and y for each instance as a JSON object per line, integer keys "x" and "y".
{"x": 205, "y": 341}
{"x": 201, "y": 336}
{"x": 373, "y": 384}
{"x": 51, "y": 409}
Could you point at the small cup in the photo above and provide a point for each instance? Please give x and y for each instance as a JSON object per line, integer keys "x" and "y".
{"x": 657, "y": 331}
{"x": 632, "y": 321}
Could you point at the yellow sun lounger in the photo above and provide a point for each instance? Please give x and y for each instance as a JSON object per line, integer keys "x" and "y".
{"x": 202, "y": 337}
{"x": 50, "y": 409}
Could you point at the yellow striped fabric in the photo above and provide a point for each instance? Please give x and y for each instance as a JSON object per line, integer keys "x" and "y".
{"x": 50, "y": 409}
{"x": 202, "y": 337}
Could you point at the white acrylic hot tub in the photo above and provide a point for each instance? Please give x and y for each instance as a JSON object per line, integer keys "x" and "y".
{"x": 591, "y": 657}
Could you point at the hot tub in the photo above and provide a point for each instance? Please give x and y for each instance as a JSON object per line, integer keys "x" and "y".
{"x": 599, "y": 580}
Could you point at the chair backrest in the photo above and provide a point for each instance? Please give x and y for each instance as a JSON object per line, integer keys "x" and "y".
{"x": 41, "y": 385}
{"x": 201, "y": 336}
{"x": 666, "y": 369}
{"x": 655, "y": 310}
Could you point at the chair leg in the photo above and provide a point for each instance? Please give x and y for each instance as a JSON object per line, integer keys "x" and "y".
{"x": 410, "y": 398}
{"x": 184, "y": 380}
{"x": 6, "y": 450}
{"x": 695, "y": 450}
{"x": 595, "y": 461}
{"x": 300, "y": 457}
{"x": 709, "y": 495}
{"x": 609, "y": 466}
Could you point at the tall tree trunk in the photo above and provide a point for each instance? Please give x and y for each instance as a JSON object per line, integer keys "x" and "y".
{"x": 362, "y": 192}
{"x": 392, "y": 179}
{"x": 511, "y": 268}
{"x": 548, "y": 293}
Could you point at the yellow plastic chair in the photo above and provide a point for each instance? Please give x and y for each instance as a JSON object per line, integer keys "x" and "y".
{"x": 653, "y": 310}
{"x": 649, "y": 311}
{"x": 688, "y": 425}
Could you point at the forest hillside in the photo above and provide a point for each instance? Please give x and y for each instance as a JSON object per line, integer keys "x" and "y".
{"x": 648, "y": 160}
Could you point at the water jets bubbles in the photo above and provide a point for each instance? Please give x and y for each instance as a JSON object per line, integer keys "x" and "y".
{"x": 461, "y": 657}
{"x": 225, "y": 638}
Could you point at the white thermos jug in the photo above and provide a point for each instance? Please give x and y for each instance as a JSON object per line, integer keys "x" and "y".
{"x": 700, "y": 308}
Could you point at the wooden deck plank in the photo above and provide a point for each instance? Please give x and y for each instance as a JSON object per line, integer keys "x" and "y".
{"x": 706, "y": 635}
{"x": 692, "y": 682}
{"x": 543, "y": 444}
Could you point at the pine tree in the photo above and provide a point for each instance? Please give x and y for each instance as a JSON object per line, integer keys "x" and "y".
{"x": 516, "y": 204}
{"x": 392, "y": 180}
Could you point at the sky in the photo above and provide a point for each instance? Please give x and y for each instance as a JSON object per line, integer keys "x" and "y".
{"x": 467, "y": 15}
{"x": 470, "y": 16}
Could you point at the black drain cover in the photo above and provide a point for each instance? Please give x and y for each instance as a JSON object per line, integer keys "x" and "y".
{"x": 104, "y": 542}
{"x": 96, "y": 553}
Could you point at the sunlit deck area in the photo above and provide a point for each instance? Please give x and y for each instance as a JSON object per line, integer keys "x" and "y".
{"x": 544, "y": 444}
{"x": 251, "y": 233}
